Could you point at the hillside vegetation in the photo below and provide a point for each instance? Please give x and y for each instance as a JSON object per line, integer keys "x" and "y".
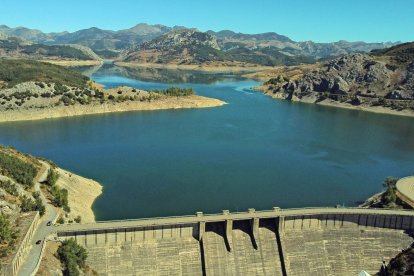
{"x": 15, "y": 71}
{"x": 17, "y": 196}
{"x": 17, "y": 169}
{"x": 28, "y": 86}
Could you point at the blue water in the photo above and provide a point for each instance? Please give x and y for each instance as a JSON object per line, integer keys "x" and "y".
{"x": 253, "y": 152}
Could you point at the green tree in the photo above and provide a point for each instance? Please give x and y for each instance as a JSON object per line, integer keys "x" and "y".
{"x": 72, "y": 256}
{"x": 390, "y": 185}
{"x": 60, "y": 197}
{"x": 52, "y": 177}
{"x": 6, "y": 233}
{"x": 28, "y": 204}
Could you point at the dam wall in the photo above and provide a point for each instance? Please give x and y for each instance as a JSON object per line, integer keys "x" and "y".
{"x": 320, "y": 241}
{"x": 342, "y": 244}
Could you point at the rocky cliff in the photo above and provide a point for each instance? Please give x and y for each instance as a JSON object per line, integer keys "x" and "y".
{"x": 381, "y": 78}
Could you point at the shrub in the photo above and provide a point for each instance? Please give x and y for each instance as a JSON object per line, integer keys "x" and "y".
{"x": 9, "y": 187}
{"x": 389, "y": 196}
{"x": 6, "y": 233}
{"x": 40, "y": 84}
{"x": 28, "y": 204}
{"x": 99, "y": 94}
{"x": 60, "y": 197}
{"x": 176, "y": 91}
{"x": 72, "y": 256}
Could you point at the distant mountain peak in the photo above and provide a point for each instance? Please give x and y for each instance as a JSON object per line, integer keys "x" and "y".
{"x": 253, "y": 47}
{"x": 181, "y": 38}
{"x": 146, "y": 29}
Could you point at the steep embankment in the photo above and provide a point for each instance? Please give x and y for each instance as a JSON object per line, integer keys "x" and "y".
{"x": 25, "y": 183}
{"x": 82, "y": 193}
{"x": 18, "y": 175}
{"x": 382, "y": 81}
{"x": 31, "y": 90}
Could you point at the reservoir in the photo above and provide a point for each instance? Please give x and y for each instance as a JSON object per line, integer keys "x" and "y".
{"x": 253, "y": 152}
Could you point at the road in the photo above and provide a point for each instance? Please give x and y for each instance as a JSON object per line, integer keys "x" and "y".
{"x": 222, "y": 217}
{"x": 34, "y": 255}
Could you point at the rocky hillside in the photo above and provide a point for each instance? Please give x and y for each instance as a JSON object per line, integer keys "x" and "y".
{"x": 16, "y": 47}
{"x": 229, "y": 40}
{"x": 265, "y": 48}
{"x": 189, "y": 46}
{"x": 381, "y": 78}
{"x": 402, "y": 264}
{"x": 18, "y": 197}
{"x": 179, "y": 46}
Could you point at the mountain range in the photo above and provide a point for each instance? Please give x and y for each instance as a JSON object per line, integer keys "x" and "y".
{"x": 134, "y": 43}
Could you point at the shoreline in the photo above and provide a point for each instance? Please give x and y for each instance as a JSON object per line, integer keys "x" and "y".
{"x": 333, "y": 104}
{"x": 164, "y": 103}
{"x": 372, "y": 109}
{"x": 195, "y": 67}
{"x": 82, "y": 193}
{"x": 73, "y": 63}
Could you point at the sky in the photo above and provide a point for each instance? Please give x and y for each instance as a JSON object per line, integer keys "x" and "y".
{"x": 301, "y": 20}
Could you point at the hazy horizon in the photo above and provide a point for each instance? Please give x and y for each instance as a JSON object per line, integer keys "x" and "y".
{"x": 300, "y": 20}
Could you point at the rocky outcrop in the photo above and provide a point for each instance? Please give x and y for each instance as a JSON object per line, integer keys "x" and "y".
{"x": 185, "y": 46}
{"x": 355, "y": 73}
{"x": 377, "y": 79}
{"x": 181, "y": 38}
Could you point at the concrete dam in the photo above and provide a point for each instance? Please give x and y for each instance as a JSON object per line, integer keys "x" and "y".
{"x": 310, "y": 241}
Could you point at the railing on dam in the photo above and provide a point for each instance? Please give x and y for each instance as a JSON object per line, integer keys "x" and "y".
{"x": 303, "y": 241}
{"x": 226, "y": 215}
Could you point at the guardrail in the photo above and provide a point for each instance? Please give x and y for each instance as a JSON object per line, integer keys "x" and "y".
{"x": 200, "y": 217}
{"x": 39, "y": 259}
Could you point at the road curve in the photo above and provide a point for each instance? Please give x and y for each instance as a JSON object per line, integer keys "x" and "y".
{"x": 34, "y": 256}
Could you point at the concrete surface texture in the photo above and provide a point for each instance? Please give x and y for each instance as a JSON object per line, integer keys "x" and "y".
{"x": 338, "y": 242}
